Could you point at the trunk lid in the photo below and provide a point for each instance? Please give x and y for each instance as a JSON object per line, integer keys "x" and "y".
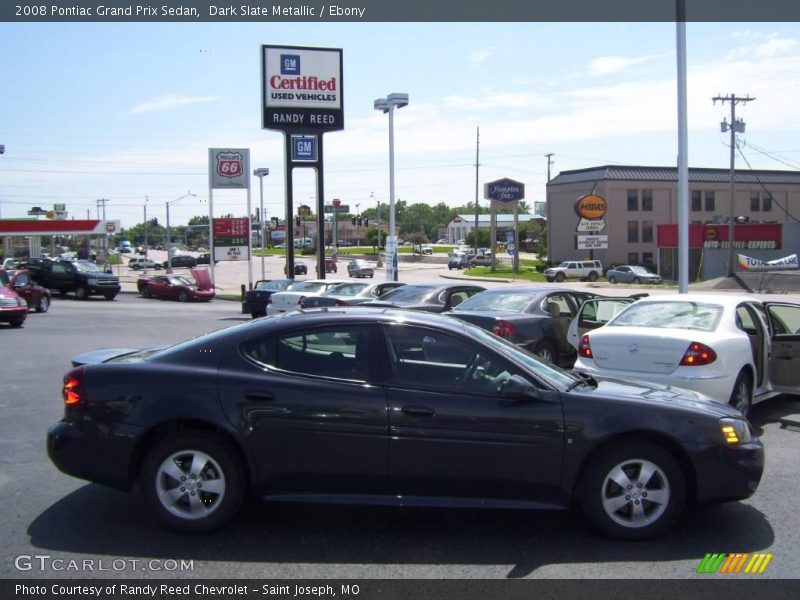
{"x": 638, "y": 349}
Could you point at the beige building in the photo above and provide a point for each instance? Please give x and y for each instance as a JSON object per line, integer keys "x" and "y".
{"x": 639, "y": 199}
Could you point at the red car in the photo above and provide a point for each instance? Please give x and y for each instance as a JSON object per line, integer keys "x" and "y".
{"x": 13, "y": 308}
{"x": 177, "y": 287}
{"x": 330, "y": 265}
{"x": 20, "y": 281}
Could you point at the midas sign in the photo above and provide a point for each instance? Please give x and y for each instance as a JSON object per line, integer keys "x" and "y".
{"x": 591, "y": 206}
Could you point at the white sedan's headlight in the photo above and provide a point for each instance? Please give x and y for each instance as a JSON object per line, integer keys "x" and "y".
{"x": 735, "y": 431}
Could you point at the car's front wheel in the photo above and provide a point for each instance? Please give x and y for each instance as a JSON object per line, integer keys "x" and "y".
{"x": 82, "y": 293}
{"x": 612, "y": 279}
{"x": 633, "y": 491}
{"x": 560, "y": 277}
{"x": 192, "y": 482}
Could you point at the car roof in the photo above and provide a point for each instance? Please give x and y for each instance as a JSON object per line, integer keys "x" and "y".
{"x": 723, "y": 299}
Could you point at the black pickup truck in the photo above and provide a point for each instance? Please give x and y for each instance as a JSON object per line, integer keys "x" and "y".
{"x": 83, "y": 277}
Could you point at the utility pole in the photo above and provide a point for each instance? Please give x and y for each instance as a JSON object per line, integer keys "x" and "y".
{"x": 105, "y": 236}
{"x": 549, "y": 157}
{"x": 477, "y": 207}
{"x": 734, "y": 127}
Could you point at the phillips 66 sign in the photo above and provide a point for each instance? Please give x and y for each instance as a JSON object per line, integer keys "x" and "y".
{"x": 229, "y": 167}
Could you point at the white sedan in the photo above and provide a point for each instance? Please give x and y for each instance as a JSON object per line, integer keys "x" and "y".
{"x": 734, "y": 349}
{"x": 282, "y": 302}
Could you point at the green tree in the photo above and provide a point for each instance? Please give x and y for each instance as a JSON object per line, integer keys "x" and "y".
{"x": 483, "y": 239}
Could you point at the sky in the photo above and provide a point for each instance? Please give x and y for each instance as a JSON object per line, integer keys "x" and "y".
{"x": 127, "y": 111}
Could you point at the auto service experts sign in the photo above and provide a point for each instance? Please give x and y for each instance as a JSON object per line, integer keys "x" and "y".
{"x": 302, "y": 89}
{"x": 229, "y": 168}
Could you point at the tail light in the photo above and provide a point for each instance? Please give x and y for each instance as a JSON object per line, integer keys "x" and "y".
{"x": 584, "y": 348}
{"x": 697, "y": 355}
{"x": 504, "y": 329}
{"x": 73, "y": 392}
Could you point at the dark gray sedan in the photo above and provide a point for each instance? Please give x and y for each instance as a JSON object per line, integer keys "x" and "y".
{"x": 632, "y": 274}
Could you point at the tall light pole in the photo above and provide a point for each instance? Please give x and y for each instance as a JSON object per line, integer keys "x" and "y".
{"x": 146, "y": 199}
{"x": 387, "y": 105}
{"x": 261, "y": 173}
{"x": 169, "y": 238}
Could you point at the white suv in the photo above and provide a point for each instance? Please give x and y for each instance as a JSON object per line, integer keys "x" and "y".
{"x": 143, "y": 263}
{"x": 575, "y": 269}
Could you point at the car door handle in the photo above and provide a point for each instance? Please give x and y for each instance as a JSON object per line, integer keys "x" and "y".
{"x": 417, "y": 411}
{"x": 259, "y": 396}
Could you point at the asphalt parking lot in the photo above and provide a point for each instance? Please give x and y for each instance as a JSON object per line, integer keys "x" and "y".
{"x": 48, "y": 513}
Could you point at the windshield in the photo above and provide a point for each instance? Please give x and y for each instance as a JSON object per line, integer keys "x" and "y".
{"x": 273, "y": 285}
{"x": 346, "y": 289}
{"x": 409, "y": 293}
{"x": 508, "y": 301}
{"x": 85, "y": 266}
{"x": 178, "y": 280}
{"x": 309, "y": 286}
{"x": 554, "y": 375}
{"x": 564, "y": 264}
{"x": 668, "y": 315}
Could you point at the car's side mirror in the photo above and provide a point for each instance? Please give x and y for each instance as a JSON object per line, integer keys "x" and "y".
{"x": 519, "y": 388}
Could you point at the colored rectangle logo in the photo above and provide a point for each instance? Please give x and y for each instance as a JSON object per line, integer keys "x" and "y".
{"x": 290, "y": 64}
{"x": 304, "y": 148}
{"x": 735, "y": 563}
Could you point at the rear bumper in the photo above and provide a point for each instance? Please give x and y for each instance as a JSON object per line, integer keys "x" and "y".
{"x": 717, "y": 386}
{"x": 98, "y": 454}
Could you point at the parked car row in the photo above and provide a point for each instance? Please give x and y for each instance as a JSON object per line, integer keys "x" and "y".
{"x": 392, "y": 407}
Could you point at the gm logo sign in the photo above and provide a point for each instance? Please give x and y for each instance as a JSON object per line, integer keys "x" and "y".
{"x": 290, "y": 64}
{"x": 304, "y": 148}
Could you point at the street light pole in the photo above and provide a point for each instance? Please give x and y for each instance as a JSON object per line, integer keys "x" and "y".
{"x": 387, "y": 105}
{"x": 261, "y": 173}
{"x": 169, "y": 236}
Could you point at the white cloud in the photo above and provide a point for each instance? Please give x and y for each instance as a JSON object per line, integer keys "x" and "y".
{"x": 608, "y": 65}
{"x": 477, "y": 57}
{"x": 170, "y": 101}
{"x": 771, "y": 47}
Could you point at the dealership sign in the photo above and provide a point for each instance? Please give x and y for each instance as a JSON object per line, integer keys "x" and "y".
{"x": 229, "y": 167}
{"x": 302, "y": 89}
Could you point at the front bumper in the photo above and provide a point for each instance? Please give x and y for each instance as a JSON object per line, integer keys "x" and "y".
{"x": 98, "y": 453}
{"x": 729, "y": 472}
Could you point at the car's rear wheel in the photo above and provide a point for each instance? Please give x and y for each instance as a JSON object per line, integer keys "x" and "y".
{"x": 612, "y": 279}
{"x": 742, "y": 394}
{"x": 633, "y": 491}
{"x": 546, "y": 352}
{"x": 183, "y": 296}
{"x": 593, "y": 276}
{"x": 192, "y": 483}
{"x": 44, "y": 304}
